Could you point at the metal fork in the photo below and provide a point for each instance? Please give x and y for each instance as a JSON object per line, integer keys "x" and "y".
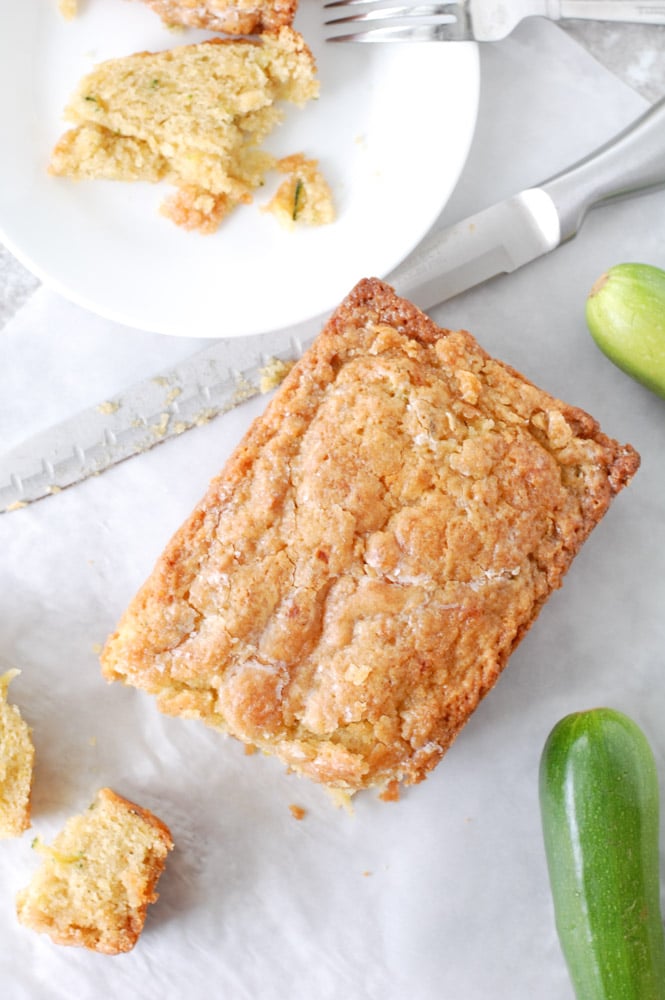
{"x": 473, "y": 20}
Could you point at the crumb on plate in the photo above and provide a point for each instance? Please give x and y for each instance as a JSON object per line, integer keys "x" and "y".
{"x": 304, "y": 197}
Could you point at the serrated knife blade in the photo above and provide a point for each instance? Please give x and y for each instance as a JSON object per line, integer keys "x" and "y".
{"x": 495, "y": 241}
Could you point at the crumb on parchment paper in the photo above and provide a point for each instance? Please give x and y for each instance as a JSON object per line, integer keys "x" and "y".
{"x": 68, "y": 9}
{"x": 342, "y": 799}
{"x": 297, "y": 811}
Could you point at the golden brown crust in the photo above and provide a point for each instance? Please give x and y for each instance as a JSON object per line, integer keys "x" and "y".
{"x": 355, "y": 579}
{"x": 235, "y": 17}
{"x": 120, "y": 804}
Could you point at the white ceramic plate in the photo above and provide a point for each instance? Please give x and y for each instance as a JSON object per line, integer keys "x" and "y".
{"x": 391, "y": 131}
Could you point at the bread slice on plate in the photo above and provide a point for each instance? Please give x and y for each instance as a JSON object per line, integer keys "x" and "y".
{"x": 98, "y": 877}
{"x": 356, "y": 578}
{"x": 234, "y": 17}
{"x": 17, "y": 756}
{"x": 195, "y": 116}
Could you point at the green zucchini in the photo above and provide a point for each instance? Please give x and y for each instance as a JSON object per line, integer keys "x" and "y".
{"x": 599, "y": 806}
{"x": 625, "y": 313}
{"x": 297, "y": 198}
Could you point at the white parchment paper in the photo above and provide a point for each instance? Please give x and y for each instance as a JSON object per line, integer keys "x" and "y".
{"x": 444, "y": 894}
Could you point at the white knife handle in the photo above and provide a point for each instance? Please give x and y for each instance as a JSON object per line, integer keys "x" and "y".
{"x": 633, "y": 161}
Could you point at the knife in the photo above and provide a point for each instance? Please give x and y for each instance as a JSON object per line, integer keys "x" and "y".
{"x": 495, "y": 241}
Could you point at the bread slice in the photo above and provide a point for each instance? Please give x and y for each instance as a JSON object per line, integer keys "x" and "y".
{"x": 98, "y": 877}
{"x": 357, "y": 576}
{"x": 235, "y": 17}
{"x": 17, "y": 756}
{"x": 194, "y": 116}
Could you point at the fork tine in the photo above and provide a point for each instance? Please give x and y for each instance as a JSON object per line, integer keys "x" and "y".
{"x": 401, "y": 10}
{"x": 363, "y": 3}
{"x": 401, "y": 33}
{"x": 400, "y": 20}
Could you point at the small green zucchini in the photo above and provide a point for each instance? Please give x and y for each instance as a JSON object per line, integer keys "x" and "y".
{"x": 599, "y": 805}
{"x": 625, "y": 313}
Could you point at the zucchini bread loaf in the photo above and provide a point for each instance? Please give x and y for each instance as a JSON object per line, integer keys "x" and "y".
{"x": 195, "y": 116}
{"x": 356, "y": 578}
{"x": 235, "y": 17}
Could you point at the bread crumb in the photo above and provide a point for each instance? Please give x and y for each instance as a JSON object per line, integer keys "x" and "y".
{"x": 194, "y": 208}
{"x": 108, "y": 407}
{"x": 391, "y": 792}
{"x": 204, "y": 417}
{"x": 297, "y": 811}
{"x": 304, "y": 197}
{"x": 68, "y": 9}
{"x": 273, "y": 373}
{"x": 16, "y": 505}
{"x": 160, "y": 429}
{"x": 244, "y": 390}
{"x": 341, "y": 798}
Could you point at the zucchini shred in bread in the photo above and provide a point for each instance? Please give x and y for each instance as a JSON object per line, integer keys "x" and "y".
{"x": 235, "y": 17}
{"x": 98, "y": 877}
{"x": 17, "y": 756}
{"x": 355, "y": 579}
{"x": 194, "y": 116}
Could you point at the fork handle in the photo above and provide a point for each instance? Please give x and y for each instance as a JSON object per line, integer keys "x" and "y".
{"x": 651, "y": 12}
{"x": 496, "y": 21}
{"x": 633, "y": 161}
